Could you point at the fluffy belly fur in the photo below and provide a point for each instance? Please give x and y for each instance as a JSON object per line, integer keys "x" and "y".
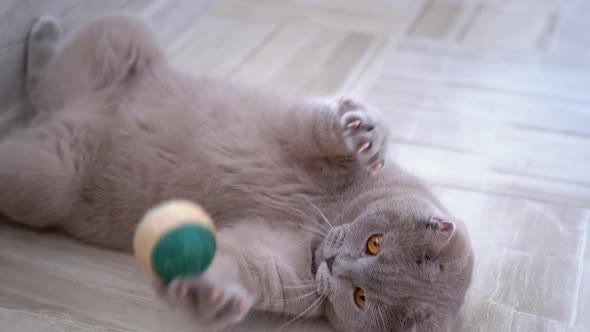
{"x": 209, "y": 141}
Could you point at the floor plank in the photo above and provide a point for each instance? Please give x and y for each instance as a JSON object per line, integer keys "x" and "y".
{"x": 490, "y": 108}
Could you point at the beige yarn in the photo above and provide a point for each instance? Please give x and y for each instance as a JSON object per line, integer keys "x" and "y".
{"x": 161, "y": 219}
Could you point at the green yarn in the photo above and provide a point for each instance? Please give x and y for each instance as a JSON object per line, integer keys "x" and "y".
{"x": 184, "y": 251}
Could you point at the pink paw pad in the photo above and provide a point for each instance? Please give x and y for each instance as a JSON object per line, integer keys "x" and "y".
{"x": 377, "y": 167}
{"x": 244, "y": 305}
{"x": 181, "y": 290}
{"x": 215, "y": 294}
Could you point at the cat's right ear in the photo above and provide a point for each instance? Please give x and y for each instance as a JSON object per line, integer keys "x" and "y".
{"x": 441, "y": 232}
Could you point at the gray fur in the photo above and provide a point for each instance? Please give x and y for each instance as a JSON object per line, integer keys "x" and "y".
{"x": 119, "y": 130}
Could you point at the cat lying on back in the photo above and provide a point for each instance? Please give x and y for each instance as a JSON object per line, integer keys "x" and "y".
{"x": 311, "y": 220}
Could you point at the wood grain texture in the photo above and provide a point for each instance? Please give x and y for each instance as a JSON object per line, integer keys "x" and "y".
{"x": 487, "y": 100}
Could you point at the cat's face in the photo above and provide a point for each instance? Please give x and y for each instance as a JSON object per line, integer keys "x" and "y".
{"x": 400, "y": 263}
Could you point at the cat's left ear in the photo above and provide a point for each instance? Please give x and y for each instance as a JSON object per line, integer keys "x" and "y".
{"x": 441, "y": 232}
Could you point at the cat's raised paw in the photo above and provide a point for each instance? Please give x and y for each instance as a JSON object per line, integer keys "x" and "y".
{"x": 364, "y": 133}
{"x": 212, "y": 302}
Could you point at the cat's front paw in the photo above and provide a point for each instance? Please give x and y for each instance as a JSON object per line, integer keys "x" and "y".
{"x": 363, "y": 132}
{"x": 212, "y": 302}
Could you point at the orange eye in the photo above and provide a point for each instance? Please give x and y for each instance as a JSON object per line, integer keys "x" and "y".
{"x": 374, "y": 244}
{"x": 359, "y": 298}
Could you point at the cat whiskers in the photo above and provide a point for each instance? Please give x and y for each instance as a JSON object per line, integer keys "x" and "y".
{"x": 382, "y": 319}
{"x": 316, "y": 304}
{"x": 294, "y": 299}
{"x": 324, "y": 218}
{"x": 317, "y": 228}
{"x": 375, "y": 315}
{"x": 303, "y": 282}
{"x": 321, "y": 232}
{"x": 301, "y": 286}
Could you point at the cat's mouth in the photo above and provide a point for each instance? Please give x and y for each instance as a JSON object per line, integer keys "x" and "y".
{"x": 315, "y": 244}
{"x": 314, "y": 268}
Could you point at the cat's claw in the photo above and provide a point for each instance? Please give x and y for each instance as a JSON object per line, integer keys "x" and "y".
{"x": 211, "y": 302}
{"x": 364, "y": 133}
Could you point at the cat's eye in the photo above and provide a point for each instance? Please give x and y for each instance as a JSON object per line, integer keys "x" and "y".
{"x": 374, "y": 244}
{"x": 359, "y": 298}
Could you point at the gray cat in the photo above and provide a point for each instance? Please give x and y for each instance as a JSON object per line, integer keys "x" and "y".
{"x": 311, "y": 220}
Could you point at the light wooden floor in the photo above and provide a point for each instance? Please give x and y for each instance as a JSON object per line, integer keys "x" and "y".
{"x": 488, "y": 100}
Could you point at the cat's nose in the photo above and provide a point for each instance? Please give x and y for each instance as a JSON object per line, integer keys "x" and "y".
{"x": 330, "y": 262}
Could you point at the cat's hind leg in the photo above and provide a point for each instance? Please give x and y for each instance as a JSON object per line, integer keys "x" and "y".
{"x": 105, "y": 52}
{"x": 38, "y": 181}
{"x": 42, "y": 44}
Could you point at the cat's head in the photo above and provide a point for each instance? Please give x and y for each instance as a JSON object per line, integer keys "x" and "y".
{"x": 400, "y": 264}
